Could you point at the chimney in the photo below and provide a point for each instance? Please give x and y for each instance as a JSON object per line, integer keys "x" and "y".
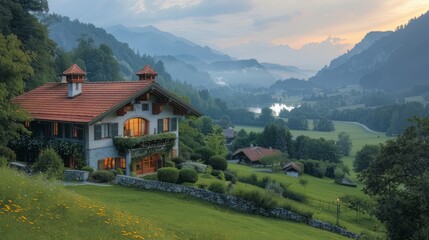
{"x": 147, "y": 74}
{"x": 75, "y": 77}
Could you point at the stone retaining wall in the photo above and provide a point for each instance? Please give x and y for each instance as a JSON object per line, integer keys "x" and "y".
{"x": 76, "y": 175}
{"x": 229, "y": 202}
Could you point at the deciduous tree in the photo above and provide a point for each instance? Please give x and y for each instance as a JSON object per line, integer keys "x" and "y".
{"x": 398, "y": 181}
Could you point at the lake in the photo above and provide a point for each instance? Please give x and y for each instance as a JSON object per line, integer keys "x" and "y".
{"x": 276, "y": 107}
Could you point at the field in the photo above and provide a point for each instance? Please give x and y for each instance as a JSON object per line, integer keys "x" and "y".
{"x": 358, "y": 135}
{"x": 189, "y": 218}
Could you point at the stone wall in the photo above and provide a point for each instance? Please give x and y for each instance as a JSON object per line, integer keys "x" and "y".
{"x": 229, "y": 202}
{"x": 75, "y": 175}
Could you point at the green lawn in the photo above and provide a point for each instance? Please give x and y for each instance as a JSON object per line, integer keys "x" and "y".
{"x": 188, "y": 218}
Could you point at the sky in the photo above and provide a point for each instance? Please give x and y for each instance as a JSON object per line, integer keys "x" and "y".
{"x": 303, "y": 33}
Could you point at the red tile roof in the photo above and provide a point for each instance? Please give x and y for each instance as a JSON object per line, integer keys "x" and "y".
{"x": 51, "y": 102}
{"x": 74, "y": 69}
{"x": 148, "y": 70}
{"x": 256, "y": 153}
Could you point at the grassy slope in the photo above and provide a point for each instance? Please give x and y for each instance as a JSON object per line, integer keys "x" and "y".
{"x": 33, "y": 208}
{"x": 194, "y": 219}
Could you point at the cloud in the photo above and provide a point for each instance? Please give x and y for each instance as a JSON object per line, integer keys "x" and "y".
{"x": 262, "y": 23}
{"x": 312, "y": 56}
{"x": 166, "y": 10}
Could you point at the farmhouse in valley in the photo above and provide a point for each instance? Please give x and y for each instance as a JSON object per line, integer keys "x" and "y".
{"x": 253, "y": 155}
{"x": 129, "y": 125}
{"x": 292, "y": 169}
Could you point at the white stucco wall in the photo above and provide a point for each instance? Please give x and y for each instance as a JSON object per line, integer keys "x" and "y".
{"x": 167, "y": 112}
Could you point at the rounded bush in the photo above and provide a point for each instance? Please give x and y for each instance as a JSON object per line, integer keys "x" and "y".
{"x": 230, "y": 176}
{"x": 102, "y": 176}
{"x": 50, "y": 163}
{"x": 178, "y": 160}
{"x": 205, "y": 153}
{"x": 169, "y": 164}
{"x": 87, "y": 168}
{"x": 215, "y": 172}
{"x": 217, "y": 187}
{"x": 195, "y": 156}
{"x": 119, "y": 171}
{"x": 168, "y": 174}
{"x": 218, "y": 162}
{"x": 188, "y": 175}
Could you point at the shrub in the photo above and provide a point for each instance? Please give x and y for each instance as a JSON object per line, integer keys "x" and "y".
{"x": 200, "y": 167}
{"x": 231, "y": 176}
{"x": 50, "y": 163}
{"x": 195, "y": 156}
{"x": 102, "y": 176}
{"x": 153, "y": 177}
{"x": 87, "y": 168}
{"x": 168, "y": 174}
{"x": 8, "y": 153}
{"x": 178, "y": 160}
{"x": 3, "y": 161}
{"x": 217, "y": 187}
{"x": 133, "y": 174}
{"x": 189, "y": 175}
{"x": 202, "y": 186}
{"x": 218, "y": 162}
{"x": 215, "y": 172}
{"x": 287, "y": 193}
{"x": 221, "y": 176}
{"x": 169, "y": 164}
{"x": 274, "y": 187}
{"x": 119, "y": 171}
{"x": 205, "y": 153}
{"x": 259, "y": 198}
{"x": 209, "y": 170}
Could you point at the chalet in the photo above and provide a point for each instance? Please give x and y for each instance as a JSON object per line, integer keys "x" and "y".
{"x": 252, "y": 155}
{"x": 292, "y": 169}
{"x": 129, "y": 125}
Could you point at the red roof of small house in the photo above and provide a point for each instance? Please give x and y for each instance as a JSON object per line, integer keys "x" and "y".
{"x": 50, "y": 102}
{"x": 256, "y": 153}
{"x": 74, "y": 69}
{"x": 292, "y": 166}
{"x": 148, "y": 70}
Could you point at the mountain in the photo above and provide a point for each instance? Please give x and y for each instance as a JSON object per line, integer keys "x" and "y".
{"x": 395, "y": 61}
{"x": 182, "y": 71}
{"x": 286, "y": 72}
{"x": 346, "y": 69}
{"x": 191, "y": 63}
{"x": 240, "y": 72}
{"x": 152, "y": 41}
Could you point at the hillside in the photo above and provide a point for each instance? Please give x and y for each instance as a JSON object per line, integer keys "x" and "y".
{"x": 33, "y": 208}
{"x": 393, "y": 62}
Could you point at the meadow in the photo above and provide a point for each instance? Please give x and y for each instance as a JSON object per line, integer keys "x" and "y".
{"x": 358, "y": 135}
{"x": 35, "y": 208}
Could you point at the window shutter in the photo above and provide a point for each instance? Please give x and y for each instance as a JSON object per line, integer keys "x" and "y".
{"x": 97, "y": 132}
{"x": 113, "y": 129}
{"x": 160, "y": 125}
{"x": 173, "y": 124}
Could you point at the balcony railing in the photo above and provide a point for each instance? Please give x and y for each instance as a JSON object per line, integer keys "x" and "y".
{"x": 162, "y": 141}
